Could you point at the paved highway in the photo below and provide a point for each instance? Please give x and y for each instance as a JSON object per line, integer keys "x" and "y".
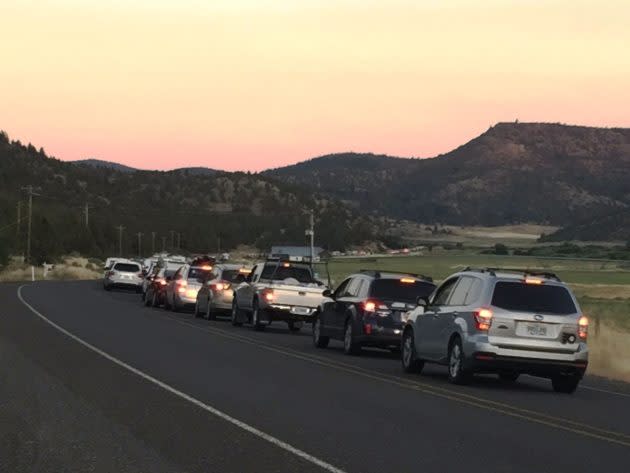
{"x": 93, "y": 381}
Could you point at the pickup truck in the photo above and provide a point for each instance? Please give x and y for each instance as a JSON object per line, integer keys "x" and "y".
{"x": 277, "y": 290}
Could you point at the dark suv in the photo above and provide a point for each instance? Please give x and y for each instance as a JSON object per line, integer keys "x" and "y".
{"x": 367, "y": 309}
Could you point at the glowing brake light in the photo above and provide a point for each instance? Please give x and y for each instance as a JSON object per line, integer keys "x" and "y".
{"x": 244, "y": 271}
{"x": 583, "y": 327}
{"x": 407, "y": 280}
{"x": 483, "y": 319}
{"x": 286, "y": 265}
{"x": 182, "y": 286}
{"x": 375, "y": 306}
{"x": 222, "y": 286}
{"x": 267, "y": 295}
{"x": 533, "y": 281}
{"x": 206, "y": 267}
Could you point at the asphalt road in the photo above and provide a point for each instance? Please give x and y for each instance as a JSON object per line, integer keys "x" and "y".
{"x": 132, "y": 389}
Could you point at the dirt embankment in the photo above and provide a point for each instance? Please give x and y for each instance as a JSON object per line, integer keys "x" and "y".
{"x": 609, "y": 352}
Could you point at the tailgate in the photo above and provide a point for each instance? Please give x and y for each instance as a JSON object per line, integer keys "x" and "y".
{"x": 528, "y": 331}
{"x": 297, "y": 295}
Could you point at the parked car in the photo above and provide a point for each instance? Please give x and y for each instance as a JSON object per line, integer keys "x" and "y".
{"x": 217, "y": 292}
{"x": 157, "y": 282}
{"x": 277, "y": 290}
{"x": 124, "y": 274}
{"x": 509, "y": 322}
{"x": 181, "y": 291}
{"x": 367, "y": 310}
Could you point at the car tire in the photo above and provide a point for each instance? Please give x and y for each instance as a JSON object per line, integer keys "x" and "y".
{"x": 146, "y": 300}
{"x": 294, "y": 326}
{"x": 166, "y": 304}
{"x": 256, "y": 317}
{"x": 410, "y": 361}
{"x": 196, "y": 314}
{"x": 509, "y": 376}
{"x": 350, "y": 346}
{"x": 566, "y": 384}
{"x": 319, "y": 340}
{"x": 210, "y": 314}
{"x": 107, "y": 288}
{"x": 457, "y": 374}
{"x": 235, "y": 314}
{"x": 154, "y": 301}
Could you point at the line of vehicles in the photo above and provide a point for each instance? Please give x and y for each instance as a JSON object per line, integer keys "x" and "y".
{"x": 479, "y": 320}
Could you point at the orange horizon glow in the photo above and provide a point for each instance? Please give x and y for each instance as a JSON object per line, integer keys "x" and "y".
{"x": 251, "y": 85}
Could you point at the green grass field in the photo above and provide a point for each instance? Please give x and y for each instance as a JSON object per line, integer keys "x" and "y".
{"x": 602, "y": 288}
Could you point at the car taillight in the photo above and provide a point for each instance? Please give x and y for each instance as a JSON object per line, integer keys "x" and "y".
{"x": 583, "y": 327}
{"x": 373, "y": 306}
{"x": 483, "y": 319}
{"x": 181, "y": 286}
{"x": 222, "y": 286}
{"x": 267, "y": 295}
{"x": 110, "y": 273}
{"x": 162, "y": 282}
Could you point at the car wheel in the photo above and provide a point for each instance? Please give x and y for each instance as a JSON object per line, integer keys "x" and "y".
{"x": 319, "y": 340}
{"x": 566, "y": 384}
{"x": 146, "y": 299}
{"x": 154, "y": 302}
{"x": 196, "y": 311}
{"x": 235, "y": 314}
{"x": 166, "y": 304}
{"x": 410, "y": 361}
{"x": 350, "y": 346}
{"x": 294, "y": 326}
{"x": 210, "y": 315}
{"x": 457, "y": 374}
{"x": 509, "y": 376}
{"x": 256, "y": 318}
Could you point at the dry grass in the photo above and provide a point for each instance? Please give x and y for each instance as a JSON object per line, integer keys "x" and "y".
{"x": 72, "y": 268}
{"x": 602, "y": 291}
{"x": 610, "y": 352}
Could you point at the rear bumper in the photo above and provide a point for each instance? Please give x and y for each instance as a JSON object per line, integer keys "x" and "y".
{"x": 482, "y": 362}
{"x": 380, "y": 337}
{"x": 122, "y": 283}
{"x": 289, "y": 313}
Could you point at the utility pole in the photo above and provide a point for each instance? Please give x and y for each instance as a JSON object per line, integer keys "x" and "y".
{"x": 86, "y": 213}
{"x": 29, "y": 190}
{"x": 19, "y": 218}
{"x": 172, "y": 239}
{"x": 163, "y": 244}
{"x": 152, "y": 243}
{"x": 120, "y": 233}
{"x": 140, "y": 244}
{"x": 311, "y": 232}
{"x": 179, "y": 241}
{"x": 218, "y": 244}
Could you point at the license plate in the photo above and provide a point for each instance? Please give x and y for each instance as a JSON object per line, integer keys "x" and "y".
{"x": 536, "y": 330}
{"x": 301, "y": 310}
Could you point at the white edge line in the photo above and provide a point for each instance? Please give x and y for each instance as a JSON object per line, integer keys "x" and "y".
{"x": 252, "y": 430}
{"x": 607, "y": 391}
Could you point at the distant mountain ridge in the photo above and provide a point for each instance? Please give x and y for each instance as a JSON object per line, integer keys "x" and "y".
{"x": 99, "y": 163}
{"x": 514, "y": 172}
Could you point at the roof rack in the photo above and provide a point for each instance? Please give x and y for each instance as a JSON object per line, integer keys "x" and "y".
{"x": 530, "y": 272}
{"x": 376, "y": 273}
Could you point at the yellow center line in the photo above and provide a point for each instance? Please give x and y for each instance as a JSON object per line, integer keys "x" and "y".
{"x": 426, "y": 388}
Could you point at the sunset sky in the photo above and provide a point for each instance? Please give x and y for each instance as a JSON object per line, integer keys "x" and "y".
{"x": 246, "y": 84}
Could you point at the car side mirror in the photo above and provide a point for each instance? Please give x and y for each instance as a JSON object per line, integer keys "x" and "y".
{"x": 328, "y": 293}
{"x": 422, "y": 301}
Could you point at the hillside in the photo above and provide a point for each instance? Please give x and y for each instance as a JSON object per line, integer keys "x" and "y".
{"x": 515, "y": 172}
{"x": 99, "y": 163}
{"x": 203, "y": 207}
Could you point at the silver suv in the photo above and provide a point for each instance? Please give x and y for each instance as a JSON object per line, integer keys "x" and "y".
{"x": 493, "y": 320}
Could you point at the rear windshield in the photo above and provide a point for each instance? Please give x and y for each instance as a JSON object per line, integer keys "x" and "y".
{"x": 395, "y": 290}
{"x": 198, "y": 274}
{"x": 169, "y": 273}
{"x": 521, "y": 297}
{"x": 300, "y": 273}
{"x": 230, "y": 274}
{"x": 127, "y": 268}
